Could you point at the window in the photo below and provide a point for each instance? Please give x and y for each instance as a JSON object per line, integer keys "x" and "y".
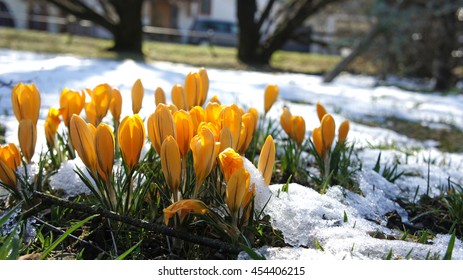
{"x": 205, "y": 7}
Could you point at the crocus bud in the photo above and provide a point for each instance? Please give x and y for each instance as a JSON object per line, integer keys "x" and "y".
{"x": 328, "y": 131}
{"x": 184, "y": 130}
{"x": 7, "y": 175}
{"x": 178, "y": 97}
{"x": 230, "y": 116}
{"x": 270, "y": 96}
{"x": 205, "y": 150}
{"x": 204, "y": 85}
{"x": 71, "y": 102}
{"x": 104, "y": 144}
{"x": 171, "y": 164}
{"x": 51, "y": 125}
{"x": 25, "y": 100}
{"x": 27, "y": 135}
{"x": 285, "y": 121}
{"x": 318, "y": 141}
{"x": 101, "y": 98}
{"x": 83, "y": 139}
{"x": 192, "y": 89}
{"x": 343, "y": 131}
{"x": 131, "y": 137}
{"x": 137, "y": 96}
{"x": 237, "y": 189}
{"x": 160, "y": 125}
{"x": 115, "y": 107}
{"x": 248, "y": 128}
{"x": 159, "y": 96}
{"x": 320, "y": 111}
{"x": 267, "y": 159}
{"x": 297, "y": 129}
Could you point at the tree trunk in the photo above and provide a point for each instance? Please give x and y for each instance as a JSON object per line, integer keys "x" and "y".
{"x": 446, "y": 42}
{"x": 356, "y": 51}
{"x": 128, "y": 33}
{"x": 248, "y": 36}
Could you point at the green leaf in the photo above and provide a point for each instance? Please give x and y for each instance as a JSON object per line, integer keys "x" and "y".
{"x": 10, "y": 247}
{"x": 345, "y": 217}
{"x": 126, "y": 253}
{"x": 64, "y": 235}
{"x": 252, "y": 253}
{"x": 318, "y": 246}
{"x": 448, "y": 253}
{"x": 389, "y": 255}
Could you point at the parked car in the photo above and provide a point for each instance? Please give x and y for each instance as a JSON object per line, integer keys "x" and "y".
{"x": 214, "y": 32}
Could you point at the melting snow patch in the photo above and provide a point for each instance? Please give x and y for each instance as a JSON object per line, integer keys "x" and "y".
{"x": 68, "y": 181}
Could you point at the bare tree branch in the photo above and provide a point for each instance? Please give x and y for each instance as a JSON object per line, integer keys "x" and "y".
{"x": 213, "y": 243}
{"x": 83, "y": 11}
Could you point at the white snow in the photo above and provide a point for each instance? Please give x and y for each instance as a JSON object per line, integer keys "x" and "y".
{"x": 302, "y": 215}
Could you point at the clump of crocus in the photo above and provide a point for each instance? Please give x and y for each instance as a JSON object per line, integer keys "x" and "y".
{"x": 323, "y": 139}
{"x": 294, "y": 126}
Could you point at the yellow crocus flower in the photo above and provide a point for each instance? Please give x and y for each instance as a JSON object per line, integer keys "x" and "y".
{"x": 192, "y": 90}
{"x": 204, "y": 85}
{"x": 51, "y": 125}
{"x": 178, "y": 97}
{"x": 183, "y": 207}
{"x": 131, "y": 138}
{"x": 7, "y": 175}
{"x": 230, "y": 161}
{"x": 225, "y": 139}
{"x": 230, "y": 116}
{"x": 254, "y": 111}
{"x": 104, "y": 144}
{"x": 270, "y": 96}
{"x": 184, "y": 131}
{"x": 101, "y": 98}
{"x": 71, "y": 102}
{"x": 215, "y": 99}
{"x": 83, "y": 139}
{"x": 327, "y": 131}
{"x": 27, "y": 135}
{"x": 237, "y": 190}
{"x": 115, "y": 107}
{"x": 198, "y": 115}
{"x": 205, "y": 150}
{"x": 159, "y": 96}
{"x": 137, "y": 96}
{"x": 321, "y": 111}
{"x": 285, "y": 121}
{"x": 171, "y": 164}
{"x": 267, "y": 159}
{"x": 297, "y": 129}
{"x": 160, "y": 125}
{"x": 10, "y": 159}
{"x": 213, "y": 111}
{"x": 318, "y": 141}
{"x": 90, "y": 112}
{"x": 248, "y": 128}
{"x": 25, "y": 100}
{"x": 343, "y": 131}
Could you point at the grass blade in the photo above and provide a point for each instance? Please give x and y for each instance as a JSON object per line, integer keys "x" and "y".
{"x": 126, "y": 253}
{"x": 64, "y": 235}
{"x": 448, "y": 253}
